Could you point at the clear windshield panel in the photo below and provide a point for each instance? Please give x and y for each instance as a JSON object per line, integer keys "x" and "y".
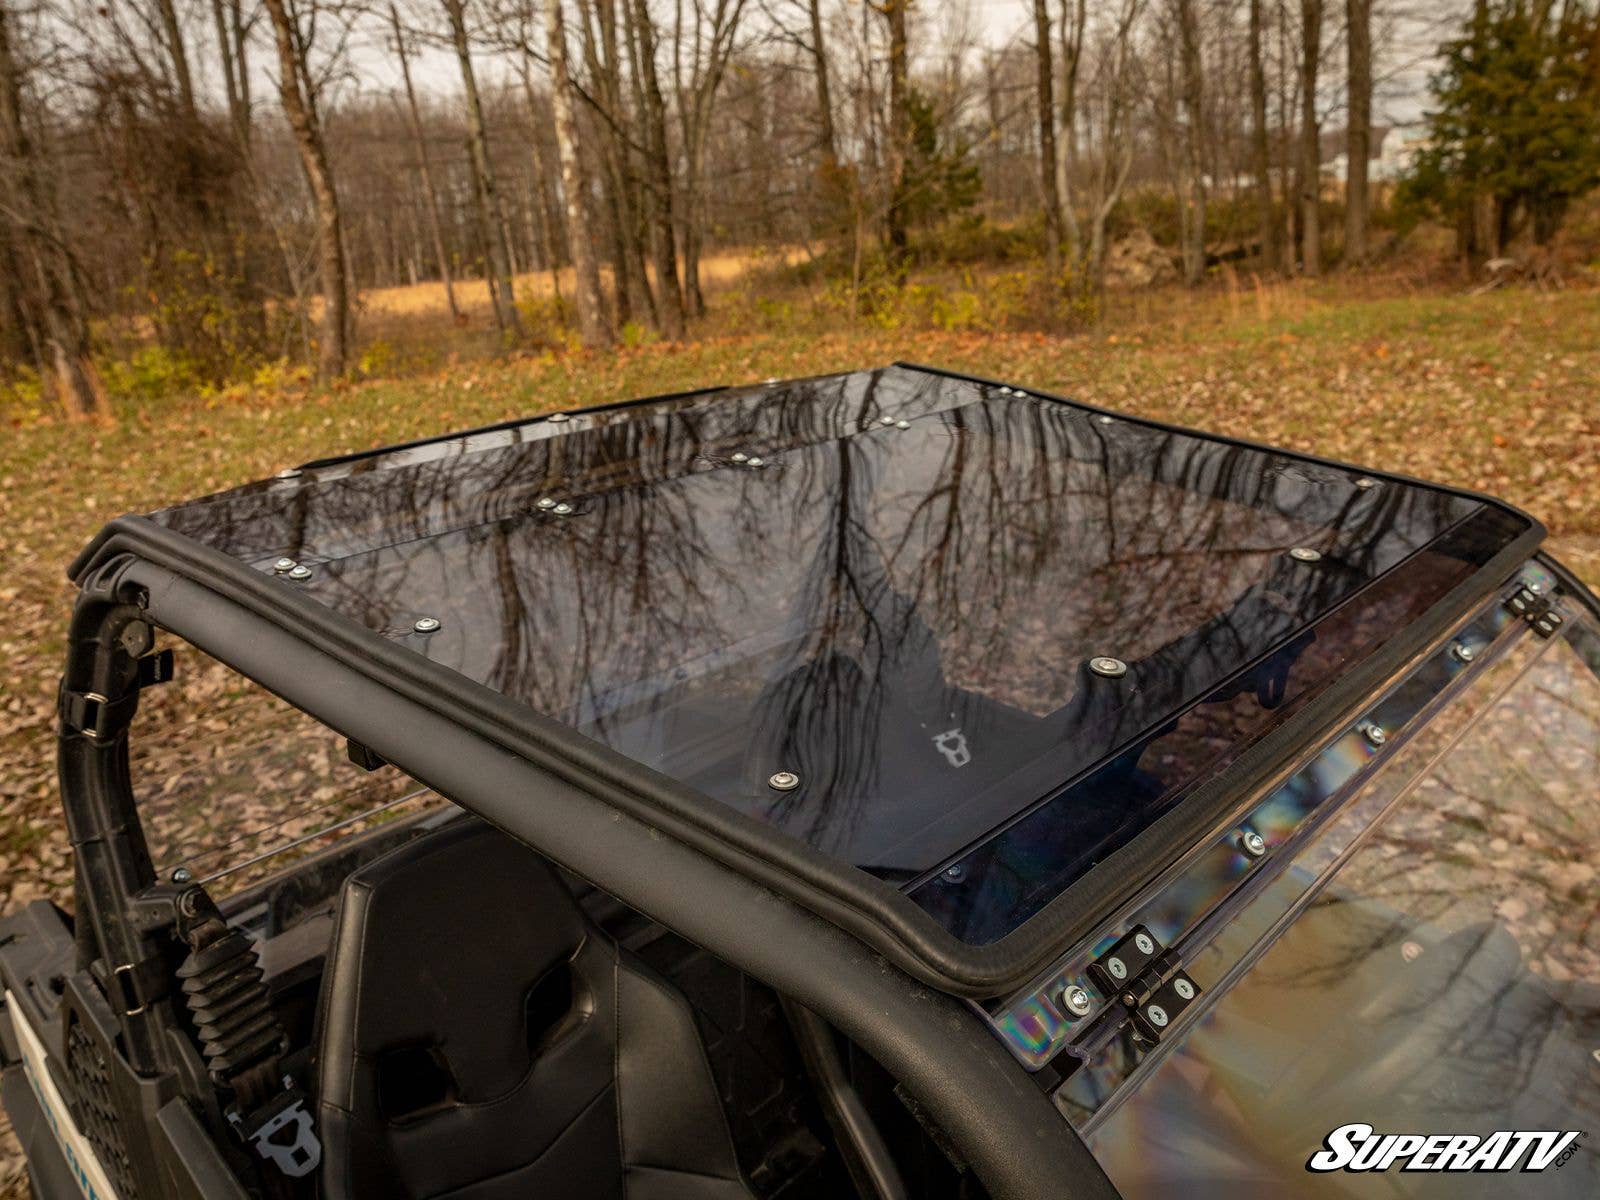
{"x": 1446, "y": 981}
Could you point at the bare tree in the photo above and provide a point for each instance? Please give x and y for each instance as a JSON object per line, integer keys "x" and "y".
{"x": 496, "y": 250}
{"x": 297, "y": 91}
{"x": 1260, "y": 146}
{"x": 430, "y": 196}
{"x": 658, "y": 171}
{"x": 1192, "y": 205}
{"x": 46, "y": 293}
{"x": 1310, "y": 138}
{"x": 1074, "y": 19}
{"x": 591, "y": 302}
{"x": 1045, "y": 99}
{"x": 819, "y": 65}
{"x": 1358, "y": 138}
{"x": 896, "y": 234}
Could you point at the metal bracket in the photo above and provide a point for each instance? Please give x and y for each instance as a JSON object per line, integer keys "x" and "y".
{"x": 1536, "y": 608}
{"x": 1147, "y": 980}
{"x": 282, "y": 1133}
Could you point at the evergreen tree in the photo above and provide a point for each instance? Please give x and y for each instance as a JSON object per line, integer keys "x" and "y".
{"x": 1518, "y": 120}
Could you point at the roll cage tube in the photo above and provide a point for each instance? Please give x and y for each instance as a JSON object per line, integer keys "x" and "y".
{"x": 930, "y": 1042}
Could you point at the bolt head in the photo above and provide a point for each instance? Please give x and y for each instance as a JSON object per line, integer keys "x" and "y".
{"x": 902, "y": 424}
{"x": 1105, "y": 420}
{"x": 783, "y": 781}
{"x": 1366, "y": 484}
{"x": 955, "y": 872}
{"x": 1305, "y": 554}
{"x": 1184, "y": 988}
{"x": 1110, "y": 668}
{"x": 556, "y": 418}
{"x": 289, "y": 473}
{"x": 1076, "y": 1001}
{"x": 426, "y": 624}
{"x": 1157, "y": 1016}
{"x": 1145, "y": 944}
{"x": 756, "y": 462}
{"x": 1254, "y": 844}
{"x": 1118, "y": 968}
{"x": 284, "y": 564}
{"x": 885, "y": 420}
{"x": 562, "y": 509}
{"x": 545, "y": 503}
{"x": 740, "y": 456}
{"x": 1375, "y": 734}
{"x": 300, "y": 573}
{"x": 182, "y": 875}
{"x": 1463, "y": 652}
{"x": 1019, "y": 393}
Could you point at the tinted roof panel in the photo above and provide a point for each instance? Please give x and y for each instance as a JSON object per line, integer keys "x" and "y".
{"x": 899, "y": 604}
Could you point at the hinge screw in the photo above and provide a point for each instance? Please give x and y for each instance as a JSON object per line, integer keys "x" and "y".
{"x": 1075, "y": 1001}
{"x": 1184, "y": 988}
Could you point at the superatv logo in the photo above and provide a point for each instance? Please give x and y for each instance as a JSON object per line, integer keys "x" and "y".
{"x": 1361, "y": 1148}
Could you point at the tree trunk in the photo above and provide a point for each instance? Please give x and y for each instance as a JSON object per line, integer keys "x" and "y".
{"x": 1193, "y": 91}
{"x": 496, "y": 252}
{"x": 430, "y": 197}
{"x": 658, "y": 175}
{"x": 1260, "y": 147}
{"x": 1044, "y": 95}
{"x": 894, "y": 12}
{"x": 296, "y": 91}
{"x": 602, "y": 49}
{"x": 1067, "y": 140}
{"x": 819, "y": 65}
{"x": 1310, "y": 141}
{"x": 1358, "y": 143}
{"x": 592, "y": 323}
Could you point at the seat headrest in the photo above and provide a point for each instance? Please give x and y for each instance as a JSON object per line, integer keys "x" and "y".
{"x": 440, "y": 945}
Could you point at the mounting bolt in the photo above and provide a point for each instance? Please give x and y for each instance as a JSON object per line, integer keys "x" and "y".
{"x": 783, "y": 781}
{"x": 299, "y": 573}
{"x": 902, "y": 424}
{"x": 563, "y": 509}
{"x": 1253, "y": 843}
{"x": 885, "y": 420}
{"x": 1110, "y": 668}
{"x": 182, "y": 875}
{"x": 1462, "y": 652}
{"x": 1366, "y": 484}
{"x": 756, "y": 462}
{"x": 955, "y": 872}
{"x": 1105, "y": 420}
{"x": 284, "y": 564}
{"x": 556, "y": 418}
{"x": 740, "y": 456}
{"x": 1076, "y": 1001}
{"x": 1305, "y": 554}
{"x": 545, "y": 503}
{"x": 1374, "y": 733}
{"x": 289, "y": 473}
{"x": 426, "y": 624}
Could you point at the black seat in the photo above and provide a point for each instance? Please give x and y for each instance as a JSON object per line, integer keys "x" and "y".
{"x": 482, "y": 1039}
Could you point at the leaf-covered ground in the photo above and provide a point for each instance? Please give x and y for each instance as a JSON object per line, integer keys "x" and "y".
{"x": 1498, "y": 392}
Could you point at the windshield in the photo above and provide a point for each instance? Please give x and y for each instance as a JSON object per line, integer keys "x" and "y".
{"x": 894, "y": 614}
{"x": 1446, "y": 982}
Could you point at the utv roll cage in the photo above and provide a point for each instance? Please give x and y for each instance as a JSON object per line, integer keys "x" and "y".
{"x": 846, "y": 947}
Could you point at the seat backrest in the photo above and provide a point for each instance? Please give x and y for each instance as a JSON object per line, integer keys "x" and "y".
{"x": 481, "y": 1038}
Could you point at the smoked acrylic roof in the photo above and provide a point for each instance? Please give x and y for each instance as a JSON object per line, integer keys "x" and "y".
{"x": 965, "y": 638}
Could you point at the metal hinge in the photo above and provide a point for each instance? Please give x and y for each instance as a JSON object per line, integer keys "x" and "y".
{"x": 1536, "y": 608}
{"x": 1147, "y": 981}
